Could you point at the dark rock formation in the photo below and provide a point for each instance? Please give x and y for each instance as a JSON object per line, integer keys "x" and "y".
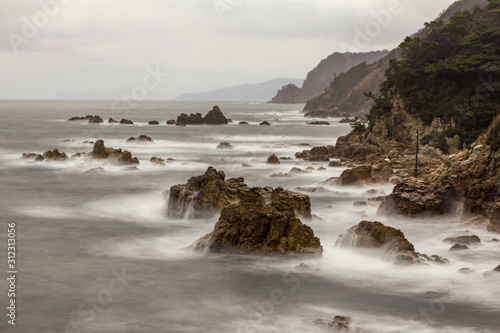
{"x": 265, "y": 123}
{"x": 140, "y": 139}
{"x": 494, "y": 225}
{"x": 316, "y": 154}
{"x": 243, "y": 123}
{"x": 273, "y": 159}
{"x": 153, "y": 122}
{"x": 252, "y": 226}
{"x": 318, "y": 123}
{"x": 112, "y": 121}
{"x": 458, "y": 247}
{"x": 215, "y": 117}
{"x": 339, "y": 323}
{"x": 206, "y": 195}
{"x": 55, "y": 155}
{"x": 33, "y": 156}
{"x": 157, "y": 161}
{"x": 87, "y": 117}
{"x": 464, "y": 240}
{"x": 96, "y": 120}
{"x": 171, "y": 122}
{"x": 392, "y": 242}
{"x": 345, "y": 121}
{"x": 335, "y": 164}
{"x": 114, "y": 156}
{"x": 126, "y": 122}
{"x": 225, "y": 145}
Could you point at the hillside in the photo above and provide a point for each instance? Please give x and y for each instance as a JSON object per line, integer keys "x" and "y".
{"x": 319, "y": 78}
{"x": 244, "y": 92}
{"x": 349, "y": 99}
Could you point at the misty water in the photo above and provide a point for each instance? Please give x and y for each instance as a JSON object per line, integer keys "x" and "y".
{"x": 97, "y": 252}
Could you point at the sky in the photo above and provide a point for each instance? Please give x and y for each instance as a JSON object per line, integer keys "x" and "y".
{"x": 176, "y": 46}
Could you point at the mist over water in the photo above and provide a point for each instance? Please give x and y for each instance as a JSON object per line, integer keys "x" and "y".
{"x": 77, "y": 232}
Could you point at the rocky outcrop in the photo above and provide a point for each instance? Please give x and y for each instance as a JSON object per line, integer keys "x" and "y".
{"x": 192, "y": 119}
{"x": 109, "y": 155}
{"x": 494, "y": 225}
{"x": 157, "y": 161}
{"x": 464, "y": 240}
{"x": 87, "y": 118}
{"x": 206, "y": 195}
{"x": 339, "y": 323}
{"x": 253, "y": 226}
{"x": 316, "y": 154}
{"x": 171, "y": 122}
{"x": 265, "y": 123}
{"x": 95, "y": 120}
{"x": 391, "y": 242}
{"x": 413, "y": 198}
{"x": 213, "y": 117}
{"x": 112, "y": 121}
{"x": 273, "y": 159}
{"x": 154, "y": 122}
{"x": 365, "y": 175}
{"x": 126, "y": 122}
{"x": 55, "y": 155}
{"x": 140, "y": 139}
{"x": 318, "y": 123}
{"x": 33, "y": 156}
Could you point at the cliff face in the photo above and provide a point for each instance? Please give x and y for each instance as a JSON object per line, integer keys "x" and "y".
{"x": 320, "y": 77}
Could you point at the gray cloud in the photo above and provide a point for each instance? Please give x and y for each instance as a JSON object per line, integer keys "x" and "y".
{"x": 92, "y": 44}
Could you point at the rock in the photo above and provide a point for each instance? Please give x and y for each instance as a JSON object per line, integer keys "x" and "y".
{"x": 225, "y": 145}
{"x": 157, "y": 161}
{"x": 88, "y": 142}
{"x": 132, "y": 168}
{"x": 496, "y": 269}
{"x": 67, "y": 140}
{"x": 464, "y": 240}
{"x": 310, "y": 168}
{"x": 243, "y": 123}
{"x": 311, "y": 189}
{"x": 373, "y": 191}
{"x": 273, "y": 159}
{"x": 495, "y": 240}
{"x": 339, "y": 323}
{"x": 345, "y": 120}
{"x": 126, "y": 122}
{"x": 170, "y": 160}
{"x": 321, "y": 169}
{"x": 215, "y": 117}
{"x": 140, "y": 139}
{"x": 335, "y": 164}
{"x": 126, "y": 158}
{"x": 54, "y": 155}
{"x": 33, "y": 156}
{"x": 361, "y": 175}
{"x": 303, "y": 267}
{"x": 171, "y": 122}
{"x": 458, "y": 247}
{"x": 465, "y": 270}
{"x": 318, "y": 123}
{"x": 229, "y": 120}
{"x": 392, "y": 242}
{"x": 153, "y": 122}
{"x": 206, "y": 195}
{"x": 281, "y": 174}
{"x": 246, "y": 165}
{"x": 285, "y": 158}
{"x": 96, "y": 120}
{"x": 180, "y": 124}
{"x": 358, "y": 203}
{"x": 265, "y": 123}
{"x": 413, "y": 198}
{"x": 494, "y": 225}
{"x": 192, "y": 119}
{"x": 87, "y": 117}
{"x": 298, "y": 170}
{"x": 99, "y": 150}
{"x": 112, "y": 121}
{"x": 94, "y": 171}
{"x": 316, "y": 154}
{"x": 254, "y": 226}
{"x": 114, "y": 156}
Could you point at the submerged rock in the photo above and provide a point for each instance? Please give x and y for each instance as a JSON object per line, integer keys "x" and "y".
{"x": 458, "y": 247}
{"x": 265, "y": 123}
{"x": 140, "y": 139}
{"x": 318, "y": 123}
{"x": 225, "y": 145}
{"x": 243, "y": 123}
{"x": 33, "y": 156}
{"x": 256, "y": 227}
{"x": 94, "y": 171}
{"x": 392, "y": 242}
{"x": 157, "y": 161}
{"x": 339, "y": 323}
{"x": 206, "y": 195}
{"x": 464, "y": 240}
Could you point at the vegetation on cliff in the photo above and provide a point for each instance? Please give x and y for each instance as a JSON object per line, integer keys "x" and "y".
{"x": 451, "y": 73}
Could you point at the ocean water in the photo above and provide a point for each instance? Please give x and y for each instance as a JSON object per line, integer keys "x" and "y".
{"x": 97, "y": 253}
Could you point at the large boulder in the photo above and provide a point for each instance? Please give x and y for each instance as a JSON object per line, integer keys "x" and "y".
{"x": 215, "y": 117}
{"x": 95, "y": 120}
{"x": 494, "y": 225}
{"x": 414, "y": 198}
{"x": 54, "y": 155}
{"x": 361, "y": 175}
{"x": 391, "y": 242}
{"x": 256, "y": 227}
{"x": 206, "y": 195}
{"x": 273, "y": 159}
{"x": 316, "y": 154}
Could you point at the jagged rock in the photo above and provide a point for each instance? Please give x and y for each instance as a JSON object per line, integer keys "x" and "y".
{"x": 318, "y": 123}
{"x": 265, "y": 123}
{"x": 96, "y": 120}
{"x": 243, "y": 123}
{"x": 95, "y": 171}
{"x": 464, "y": 240}
{"x": 458, "y": 247}
{"x": 392, "y": 242}
{"x": 215, "y": 117}
{"x": 112, "y": 121}
{"x": 100, "y": 152}
{"x": 316, "y": 154}
{"x": 153, "y": 122}
{"x": 54, "y": 155}
{"x": 412, "y": 197}
{"x": 170, "y": 160}
{"x": 273, "y": 159}
{"x": 126, "y": 158}
{"x": 335, "y": 164}
{"x": 157, "y": 161}
{"x": 33, "y": 156}
{"x": 252, "y": 226}
{"x": 87, "y": 117}
{"x": 225, "y": 145}
{"x": 361, "y": 175}
{"x": 140, "y": 139}
{"x": 126, "y": 122}
{"x": 206, "y": 195}
{"x": 171, "y": 122}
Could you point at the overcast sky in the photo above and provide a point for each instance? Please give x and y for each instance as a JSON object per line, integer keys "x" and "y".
{"x": 79, "y": 45}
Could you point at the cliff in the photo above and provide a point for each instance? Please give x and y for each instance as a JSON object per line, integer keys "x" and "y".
{"x": 319, "y": 78}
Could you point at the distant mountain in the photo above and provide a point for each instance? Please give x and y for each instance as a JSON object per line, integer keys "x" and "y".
{"x": 319, "y": 78}
{"x": 244, "y": 92}
{"x": 345, "y": 95}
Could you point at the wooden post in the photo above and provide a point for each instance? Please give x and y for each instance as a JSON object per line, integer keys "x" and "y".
{"x": 416, "y": 157}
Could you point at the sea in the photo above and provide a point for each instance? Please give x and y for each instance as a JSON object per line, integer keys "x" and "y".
{"x": 96, "y": 252}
